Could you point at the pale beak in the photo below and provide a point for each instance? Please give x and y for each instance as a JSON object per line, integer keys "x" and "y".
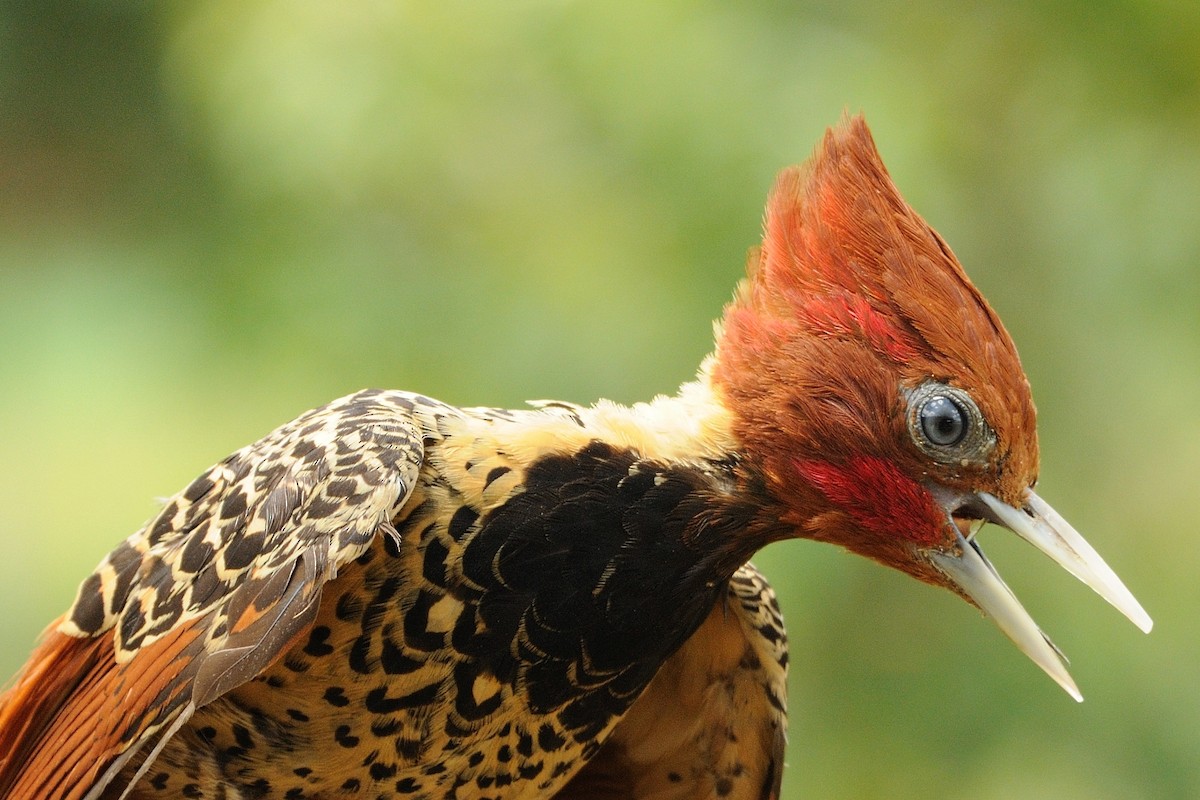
{"x": 1040, "y": 525}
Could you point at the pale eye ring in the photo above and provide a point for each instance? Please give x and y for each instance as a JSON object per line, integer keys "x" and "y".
{"x": 943, "y": 421}
{"x": 946, "y": 425}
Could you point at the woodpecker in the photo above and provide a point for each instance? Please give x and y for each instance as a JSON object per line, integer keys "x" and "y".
{"x": 394, "y": 597}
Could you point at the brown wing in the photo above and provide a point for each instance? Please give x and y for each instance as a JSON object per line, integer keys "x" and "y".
{"x": 205, "y": 596}
{"x": 713, "y": 722}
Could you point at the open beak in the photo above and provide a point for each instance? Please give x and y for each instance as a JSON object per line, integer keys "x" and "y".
{"x": 1040, "y": 525}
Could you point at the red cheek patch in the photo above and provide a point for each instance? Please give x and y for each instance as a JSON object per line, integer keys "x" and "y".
{"x": 879, "y": 497}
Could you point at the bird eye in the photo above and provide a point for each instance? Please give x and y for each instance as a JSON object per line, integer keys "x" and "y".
{"x": 943, "y": 421}
{"x": 946, "y": 425}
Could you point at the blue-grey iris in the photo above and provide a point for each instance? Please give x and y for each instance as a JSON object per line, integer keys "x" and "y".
{"x": 943, "y": 421}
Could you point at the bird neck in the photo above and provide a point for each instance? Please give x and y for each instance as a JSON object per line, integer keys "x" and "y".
{"x": 683, "y": 442}
{"x": 691, "y": 425}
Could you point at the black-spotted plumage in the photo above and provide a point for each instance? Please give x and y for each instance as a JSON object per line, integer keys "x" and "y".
{"x": 393, "y": 597}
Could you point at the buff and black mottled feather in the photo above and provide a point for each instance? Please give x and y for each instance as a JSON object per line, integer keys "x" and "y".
{"x": 206, "y": 595}
{"x": 298, "y": 597}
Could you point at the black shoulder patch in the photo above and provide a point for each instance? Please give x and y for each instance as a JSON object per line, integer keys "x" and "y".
{"x": 593, "y": 575}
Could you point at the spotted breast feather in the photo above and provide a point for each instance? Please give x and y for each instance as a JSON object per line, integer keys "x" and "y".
{"x": 393, "y": 597}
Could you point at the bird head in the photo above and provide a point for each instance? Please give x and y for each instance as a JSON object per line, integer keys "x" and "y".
{"x": 879, "y": 398}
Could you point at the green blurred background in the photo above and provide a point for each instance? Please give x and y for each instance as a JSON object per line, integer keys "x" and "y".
{"x": 214, "y": 215}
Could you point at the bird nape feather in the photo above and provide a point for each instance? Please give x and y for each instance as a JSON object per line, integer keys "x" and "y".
{"x": 391, "y": 596}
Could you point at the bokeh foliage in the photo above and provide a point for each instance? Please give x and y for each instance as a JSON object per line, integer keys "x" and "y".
{"x": 216, "y": 214}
